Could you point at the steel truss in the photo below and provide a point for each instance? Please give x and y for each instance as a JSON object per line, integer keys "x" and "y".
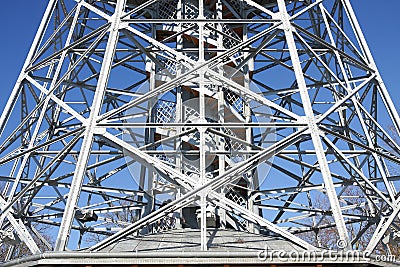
{"x": 263, "y": 116}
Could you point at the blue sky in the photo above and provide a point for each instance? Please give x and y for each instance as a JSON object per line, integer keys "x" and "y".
{"x": 20, "y": 19}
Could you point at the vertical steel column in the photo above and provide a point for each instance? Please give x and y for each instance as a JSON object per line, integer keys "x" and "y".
{"x": 152, "y": 176}
{"x": 178, "y": 110}
{"x": 202, "y": 129}
{"x": 149, "y": 133}
{"x": 252, "y": 183}
{"x": 221, "y": 110}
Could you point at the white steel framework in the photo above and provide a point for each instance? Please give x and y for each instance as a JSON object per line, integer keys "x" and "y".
{"x": 132, "y": 117}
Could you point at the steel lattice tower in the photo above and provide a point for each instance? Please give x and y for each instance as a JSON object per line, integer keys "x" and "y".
{"x": 134, "y": 117}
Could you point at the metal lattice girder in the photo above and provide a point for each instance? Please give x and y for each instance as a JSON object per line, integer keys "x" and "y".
{"x": 265, "y": 116}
